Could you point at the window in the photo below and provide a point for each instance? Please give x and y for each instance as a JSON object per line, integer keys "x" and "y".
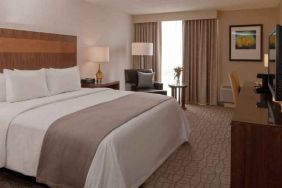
{"x": 171, "y": 50}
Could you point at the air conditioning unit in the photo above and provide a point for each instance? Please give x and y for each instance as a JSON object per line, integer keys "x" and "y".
{"x": 226, "y": 94}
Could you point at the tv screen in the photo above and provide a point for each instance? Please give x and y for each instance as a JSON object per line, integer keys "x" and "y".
{"x": 275, "y": 63}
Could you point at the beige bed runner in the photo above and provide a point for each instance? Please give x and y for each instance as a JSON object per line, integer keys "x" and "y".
{"x": 71, "y": 142}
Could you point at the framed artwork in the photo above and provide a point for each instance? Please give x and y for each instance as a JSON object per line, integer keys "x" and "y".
{"x": 245, "y": 43}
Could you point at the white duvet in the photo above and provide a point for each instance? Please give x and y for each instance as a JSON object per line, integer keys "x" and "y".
{"x": 125, "y": 158}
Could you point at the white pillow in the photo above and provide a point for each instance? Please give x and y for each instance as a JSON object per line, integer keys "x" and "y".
{"x": 63, "y": 80}
{"x": 2, "y": 88}
{"x": 25, "y": 85}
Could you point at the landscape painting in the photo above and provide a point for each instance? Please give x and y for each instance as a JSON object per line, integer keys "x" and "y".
{"x": 245, "y": 43}
{"x": 246, "y": 40}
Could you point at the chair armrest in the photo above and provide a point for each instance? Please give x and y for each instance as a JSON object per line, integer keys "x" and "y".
{"x": 130, "y": 87}
{"x": 158, "y": 85}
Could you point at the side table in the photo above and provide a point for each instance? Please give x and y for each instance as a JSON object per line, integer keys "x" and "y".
{"x": 108, "y": 84}
{"x": 178, "y": 92}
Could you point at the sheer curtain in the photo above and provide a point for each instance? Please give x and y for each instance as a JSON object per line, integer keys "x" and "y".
{"x": 149, "y": 32}
{"x": 201, "y": 61}
{"x": 171, "y": 50}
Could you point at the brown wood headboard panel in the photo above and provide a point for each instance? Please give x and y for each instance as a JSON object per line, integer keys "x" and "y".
{"x": 34, "y": 50}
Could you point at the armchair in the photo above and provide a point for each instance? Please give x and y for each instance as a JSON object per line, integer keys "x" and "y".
{"x": 131, "y": 81}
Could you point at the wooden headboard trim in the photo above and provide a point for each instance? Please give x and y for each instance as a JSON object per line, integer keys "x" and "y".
{"x": 12, "y": 33}
{"x": 17, "y": 45}
{"x": 34, "y": 50}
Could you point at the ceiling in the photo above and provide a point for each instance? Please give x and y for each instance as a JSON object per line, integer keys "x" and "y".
{"x": 161, "y": 6}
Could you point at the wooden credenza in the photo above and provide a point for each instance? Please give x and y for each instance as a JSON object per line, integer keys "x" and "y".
{"x": 256, "y": 145}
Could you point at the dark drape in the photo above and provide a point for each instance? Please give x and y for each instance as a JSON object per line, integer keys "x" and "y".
{"x": 149, "y": 32}
{"x": 200, "y": 61}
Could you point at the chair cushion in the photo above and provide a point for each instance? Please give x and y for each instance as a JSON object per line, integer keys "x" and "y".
{"x": 131, "y": 75}
{"x": 145, "y": 80}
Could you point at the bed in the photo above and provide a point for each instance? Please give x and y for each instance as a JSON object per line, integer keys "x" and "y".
{"x": 125, "y": 157}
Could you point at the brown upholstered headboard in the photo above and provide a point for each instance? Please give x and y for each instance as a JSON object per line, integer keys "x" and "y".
{"x": 34, "y": 50}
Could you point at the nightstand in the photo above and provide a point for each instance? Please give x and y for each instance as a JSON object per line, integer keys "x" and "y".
{"x": 108, "y": 84}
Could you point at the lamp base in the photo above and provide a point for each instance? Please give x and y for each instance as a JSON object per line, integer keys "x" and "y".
{"x": 99, "y": 75}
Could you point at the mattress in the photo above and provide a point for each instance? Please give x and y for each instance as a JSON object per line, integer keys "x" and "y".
{"x": 125, "y": 158}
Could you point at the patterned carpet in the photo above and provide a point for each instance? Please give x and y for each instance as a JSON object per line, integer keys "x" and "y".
{"x": 203, "y": 163}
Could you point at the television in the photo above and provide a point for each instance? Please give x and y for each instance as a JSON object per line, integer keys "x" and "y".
{"x": 275, "y": 63}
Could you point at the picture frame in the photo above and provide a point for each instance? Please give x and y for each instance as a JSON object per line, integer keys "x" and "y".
{"x": 245, "y": 42}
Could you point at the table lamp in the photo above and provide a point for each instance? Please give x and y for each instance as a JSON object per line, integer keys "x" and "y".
{"x": 266, "y": 61}
{"x": 99, "y": 55}
{"x": 142, "y": 49}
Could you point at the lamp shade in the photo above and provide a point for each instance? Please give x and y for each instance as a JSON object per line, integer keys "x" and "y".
{"x": 265, "y": 60}
{"x": 99, "y": 54}
{"x": 142, "y": 48}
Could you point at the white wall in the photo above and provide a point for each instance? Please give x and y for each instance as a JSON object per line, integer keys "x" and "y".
{"x": 94, "y": 25}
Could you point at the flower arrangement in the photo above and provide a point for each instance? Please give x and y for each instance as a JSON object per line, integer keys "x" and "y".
{"x": 177, "y": 73}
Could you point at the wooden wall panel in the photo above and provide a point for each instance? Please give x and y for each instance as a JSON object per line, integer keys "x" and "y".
{"x": 256, "y": 144}
{"x": 14, "y": 45}
{"x": 34, "y": 50}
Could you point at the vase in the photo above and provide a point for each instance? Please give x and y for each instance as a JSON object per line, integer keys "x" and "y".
{"x": 178, "y": 79}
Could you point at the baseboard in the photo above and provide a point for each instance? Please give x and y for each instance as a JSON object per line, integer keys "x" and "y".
{"x": 229, "y": 105}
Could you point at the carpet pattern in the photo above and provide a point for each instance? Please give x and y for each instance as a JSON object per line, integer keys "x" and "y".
{"x": 204, "y": 162}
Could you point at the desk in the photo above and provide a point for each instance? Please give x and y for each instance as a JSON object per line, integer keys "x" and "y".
{"x": 256, "y": 145}
{"x": 179, "y": 89}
